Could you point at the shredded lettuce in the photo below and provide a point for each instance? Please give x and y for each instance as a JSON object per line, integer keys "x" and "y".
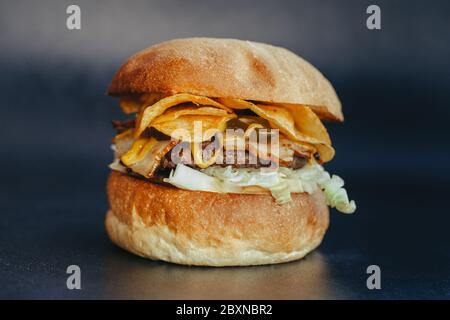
{"x": 280, "y": 182}
{"x": 185, "y": 177}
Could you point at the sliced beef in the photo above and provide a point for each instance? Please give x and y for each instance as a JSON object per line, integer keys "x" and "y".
{"x": 297, "y": 163}
{"x": 123, "y": 125}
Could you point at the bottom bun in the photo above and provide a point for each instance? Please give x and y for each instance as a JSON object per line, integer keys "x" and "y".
{"x": 212, "y": 229}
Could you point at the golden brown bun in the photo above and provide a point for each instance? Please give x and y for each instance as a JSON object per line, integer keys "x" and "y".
{"x": 211, "y": 229}
{"x": 228, "y": 68}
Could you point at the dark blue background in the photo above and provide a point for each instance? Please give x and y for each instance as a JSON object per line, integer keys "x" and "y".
{"x": 392, "y": 150}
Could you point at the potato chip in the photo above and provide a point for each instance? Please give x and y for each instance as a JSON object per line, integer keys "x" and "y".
{"x": 138, "y": 151}
{"x": 300, "y": 148}
{"x": 126, "y": 134}
{"x": 145, "y": 155}
{"x": 134, "y": 103}
{"x": 249, "y": 120}
{"x": 235, "y": 103}
{"x": 309, "y": 123}
{"x": 147, "y": 115}
{"x": 280, "y": 118}
{"x": 288, "y": 122}
{"x": 178, "y": 111}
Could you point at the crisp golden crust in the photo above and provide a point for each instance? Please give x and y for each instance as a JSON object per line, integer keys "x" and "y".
{"x": 214, "y": 229}
{"x": 228, "y": 68}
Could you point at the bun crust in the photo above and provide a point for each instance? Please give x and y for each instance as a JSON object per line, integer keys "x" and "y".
{"x": 211, "y": 229}
{"x": 228, "y": 68}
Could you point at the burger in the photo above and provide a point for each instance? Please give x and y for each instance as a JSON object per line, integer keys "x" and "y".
{"x": 220, "y": 159}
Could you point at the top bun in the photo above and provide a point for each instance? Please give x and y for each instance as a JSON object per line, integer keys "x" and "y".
{"x": 228, "y": 68}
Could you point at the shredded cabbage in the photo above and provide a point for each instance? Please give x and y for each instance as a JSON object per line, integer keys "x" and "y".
{"x": 185, "y": 177}
{"x": 280, "y": 182}
{"x": 117, "y": 166}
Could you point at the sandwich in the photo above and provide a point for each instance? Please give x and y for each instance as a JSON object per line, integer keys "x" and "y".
{"x": 220, "y": 158}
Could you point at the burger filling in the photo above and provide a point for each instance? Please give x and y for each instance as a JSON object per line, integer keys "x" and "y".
{"x": 227, "y": 145}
